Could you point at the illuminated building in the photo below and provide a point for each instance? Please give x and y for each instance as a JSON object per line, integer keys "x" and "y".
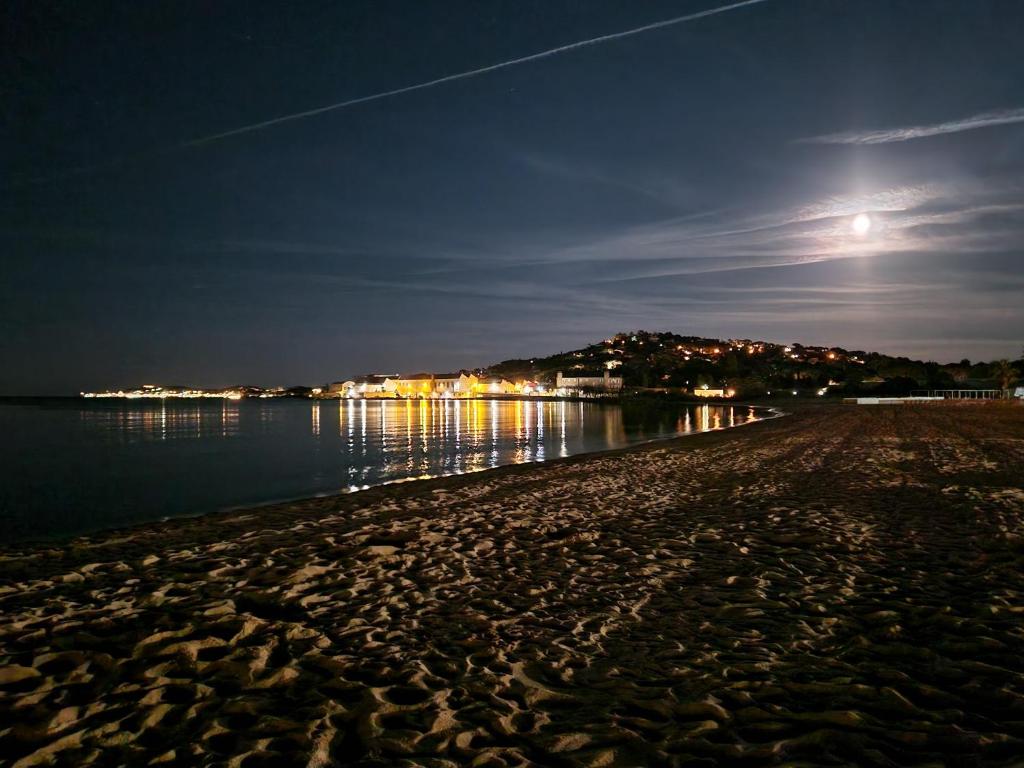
{"x": 708, "y": 392}
{"x": 605, "y": 382}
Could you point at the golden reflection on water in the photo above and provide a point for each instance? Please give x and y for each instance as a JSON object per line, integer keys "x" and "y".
{"x": 563, "y": 448}
{"x": 494, "y": 435}
{"x": 540, "y": 432}
{"x": 378, "y": 439}
{"x": 158, "y": 421}
{"x": 128, "y": 461}
{"x": 467, "y": 435}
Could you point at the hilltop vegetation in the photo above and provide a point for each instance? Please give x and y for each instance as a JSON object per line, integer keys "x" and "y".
{"x": 661, "y": 360}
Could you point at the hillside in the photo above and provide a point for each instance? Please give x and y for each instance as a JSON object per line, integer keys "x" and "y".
{"x": 667, "y": 360}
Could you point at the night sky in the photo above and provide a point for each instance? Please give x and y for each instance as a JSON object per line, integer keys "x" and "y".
{"x": 701, "y": 178}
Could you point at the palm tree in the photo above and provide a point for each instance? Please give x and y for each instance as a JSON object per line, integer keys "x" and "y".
{"x": 1004, "y": 373}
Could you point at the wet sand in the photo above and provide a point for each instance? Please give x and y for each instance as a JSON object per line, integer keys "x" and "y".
{"x": 841, "y": 586}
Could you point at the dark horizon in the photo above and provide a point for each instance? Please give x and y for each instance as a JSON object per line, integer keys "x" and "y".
{"x": 808, "y": 170}
{"x": 313, "y": 382}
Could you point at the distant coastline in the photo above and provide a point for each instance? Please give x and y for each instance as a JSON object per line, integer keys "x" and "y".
{"x": 644, "y": 363}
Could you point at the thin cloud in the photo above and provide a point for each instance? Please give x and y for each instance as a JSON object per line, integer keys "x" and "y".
{"x": 924, "y": 218}
{"x": 889, "y": 135}
{"x": 663, "y": 189}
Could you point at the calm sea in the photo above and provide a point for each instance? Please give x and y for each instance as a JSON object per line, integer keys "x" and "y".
{"x": 70, "y": 466}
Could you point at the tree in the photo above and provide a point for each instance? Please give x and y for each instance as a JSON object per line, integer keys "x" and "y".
{"x": 898, "y": 386}
{"x": 1004, "y": 373}
{"x": 750, "y": 387}
{"x": 731, "y": 364}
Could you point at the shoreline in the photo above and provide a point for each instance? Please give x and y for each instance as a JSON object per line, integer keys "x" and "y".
{"x": 63, "y": 540}
{"x": 534, "y": 462}
{"x": 840, "y": 586}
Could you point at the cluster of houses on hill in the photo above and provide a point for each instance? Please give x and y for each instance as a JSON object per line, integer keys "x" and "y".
{"x": 466, "y": 384}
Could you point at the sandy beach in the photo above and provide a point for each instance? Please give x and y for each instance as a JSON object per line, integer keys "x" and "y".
{"x": 841, "y": 586}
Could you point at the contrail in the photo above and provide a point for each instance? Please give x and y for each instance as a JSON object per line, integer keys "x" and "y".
{"x": 906, "y": 133}
{"x": 470, "y": 73}
{"x": 86, "y": 169}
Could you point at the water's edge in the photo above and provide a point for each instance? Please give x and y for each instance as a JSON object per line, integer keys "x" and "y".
{"x": 58, "y": 540}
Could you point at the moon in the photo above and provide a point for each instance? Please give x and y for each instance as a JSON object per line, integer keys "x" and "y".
{"x": 861, "y": 224}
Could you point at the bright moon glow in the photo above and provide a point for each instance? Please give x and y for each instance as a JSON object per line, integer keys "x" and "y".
{"x": 861, "y": 223}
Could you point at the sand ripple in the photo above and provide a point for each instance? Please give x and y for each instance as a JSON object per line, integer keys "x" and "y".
{"x": 841, "y": 586}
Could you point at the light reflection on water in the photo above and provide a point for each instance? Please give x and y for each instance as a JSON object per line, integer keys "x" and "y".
{"x": 69, "y": 467}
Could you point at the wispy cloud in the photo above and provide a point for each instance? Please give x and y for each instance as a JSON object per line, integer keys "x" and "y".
{"x": 965, "y": 218}
{"x": 810, "y": 233}
{"x": 273, "y": 248}
{"x": 906, "y": 133}
{"x": 664, "y": 189}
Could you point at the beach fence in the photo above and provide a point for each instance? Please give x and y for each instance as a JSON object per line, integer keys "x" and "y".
{"x": 963, "y": 394}
{"x": 937, "y": 396}
{"x": 890, "y": 400}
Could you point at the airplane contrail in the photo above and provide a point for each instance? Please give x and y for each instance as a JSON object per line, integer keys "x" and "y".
{"x": 470, "y": 73}
{"x": 86, "y": 169}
